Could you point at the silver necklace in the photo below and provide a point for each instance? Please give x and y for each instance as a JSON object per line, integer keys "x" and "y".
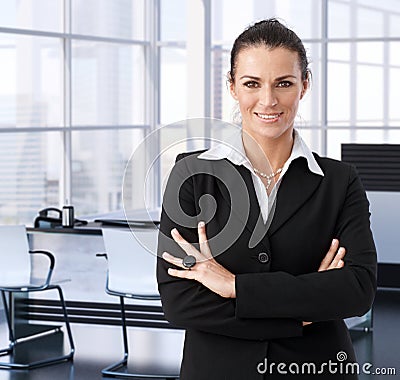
{"x": 268, "y": 177}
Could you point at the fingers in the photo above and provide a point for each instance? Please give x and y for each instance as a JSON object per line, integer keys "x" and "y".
{"x": 173, "y": 260}
{"x": 326, "y": 262}
{"x": 338, "y": 262}
{"x": 201, "y": 230}
{"x": 187, "y": 247}
{"x": 203, "y": 241}
{"x": 190, "y": 275}
{"x": 333, "y": 258}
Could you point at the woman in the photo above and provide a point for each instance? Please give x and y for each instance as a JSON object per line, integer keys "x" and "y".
{"x": 268, "y": 299}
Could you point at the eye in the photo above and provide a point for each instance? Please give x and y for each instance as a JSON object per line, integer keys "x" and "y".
{"x": 284, "y": 84}
{"x": 251, "y": 84}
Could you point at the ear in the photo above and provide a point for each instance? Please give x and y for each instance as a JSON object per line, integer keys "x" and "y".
{"x": 305, "y": 88}
{"x": 232, "y": 89}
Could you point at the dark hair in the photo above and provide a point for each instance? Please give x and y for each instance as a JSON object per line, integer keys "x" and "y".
{"x": 272, "y": 34}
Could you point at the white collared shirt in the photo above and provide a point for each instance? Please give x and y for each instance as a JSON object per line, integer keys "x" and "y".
{"x": 233, "y": 150}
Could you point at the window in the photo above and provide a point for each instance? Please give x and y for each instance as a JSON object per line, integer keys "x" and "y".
{"x": 363, "y": 69}
{"x": 230, "y": 18}
{"x": 83, "y": 82}
{"x": 354, "y": 92}
{"x": 73, "y": 102}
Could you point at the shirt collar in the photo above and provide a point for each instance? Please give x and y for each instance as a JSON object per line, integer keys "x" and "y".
{"x": 233, "y": 150}
{"x": 301, "y": 149}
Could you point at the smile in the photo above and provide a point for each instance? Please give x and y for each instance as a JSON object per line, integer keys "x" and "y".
{"x": 269, "y": 117}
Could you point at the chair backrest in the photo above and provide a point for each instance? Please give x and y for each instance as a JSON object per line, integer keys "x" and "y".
{"x": 15, "y": 262}
{"x": 132, "y": 261}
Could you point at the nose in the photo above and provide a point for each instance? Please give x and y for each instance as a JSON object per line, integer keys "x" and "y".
{"x": 268, "y": 97}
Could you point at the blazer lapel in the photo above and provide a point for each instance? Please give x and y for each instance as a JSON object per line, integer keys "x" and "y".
{"x": 297, "y": 186}
{"x": 239, "y": 191}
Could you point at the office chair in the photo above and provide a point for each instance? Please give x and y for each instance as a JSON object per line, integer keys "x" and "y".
{"x": 16, "y": 277}
{"x": 131, "y": 274}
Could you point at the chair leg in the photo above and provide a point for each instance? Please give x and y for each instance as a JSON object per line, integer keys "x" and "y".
{"x": 112, "y": 370}
{"x": 124, "y": 329}
{"x": 66, "y": 321}
{"x": 7, "y": 350}
{"x": 39, "y": 363}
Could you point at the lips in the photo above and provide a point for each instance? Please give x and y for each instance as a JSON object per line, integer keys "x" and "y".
{"x": 268, "y": 116}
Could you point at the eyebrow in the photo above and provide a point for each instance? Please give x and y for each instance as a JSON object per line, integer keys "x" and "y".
{"x": 276, "y": 79}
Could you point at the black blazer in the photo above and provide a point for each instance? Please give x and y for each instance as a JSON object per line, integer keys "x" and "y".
{"x": 277, "y": 283}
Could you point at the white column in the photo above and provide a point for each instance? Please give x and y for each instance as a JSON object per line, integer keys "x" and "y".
{"x": 198, "y": 61}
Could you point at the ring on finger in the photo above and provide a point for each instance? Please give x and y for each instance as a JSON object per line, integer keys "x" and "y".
{"x": 189, "y": 261}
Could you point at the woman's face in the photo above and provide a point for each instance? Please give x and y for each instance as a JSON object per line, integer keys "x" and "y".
{"x": 268, "y": 87}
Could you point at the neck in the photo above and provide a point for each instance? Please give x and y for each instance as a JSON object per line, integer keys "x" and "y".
{"x": 266, "y": 154}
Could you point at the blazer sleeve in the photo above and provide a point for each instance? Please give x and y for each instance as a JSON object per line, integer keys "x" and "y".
{"x": 333, "y": 294}
{"x": 187, "y": 303}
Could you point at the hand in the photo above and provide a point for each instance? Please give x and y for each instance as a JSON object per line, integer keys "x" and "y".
{"x": 332, "y": 260}
{"x": 334, "y": 257}
{"x": 206, "y": 270}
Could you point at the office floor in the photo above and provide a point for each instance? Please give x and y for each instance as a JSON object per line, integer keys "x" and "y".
{"x": 99, "y": 346}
